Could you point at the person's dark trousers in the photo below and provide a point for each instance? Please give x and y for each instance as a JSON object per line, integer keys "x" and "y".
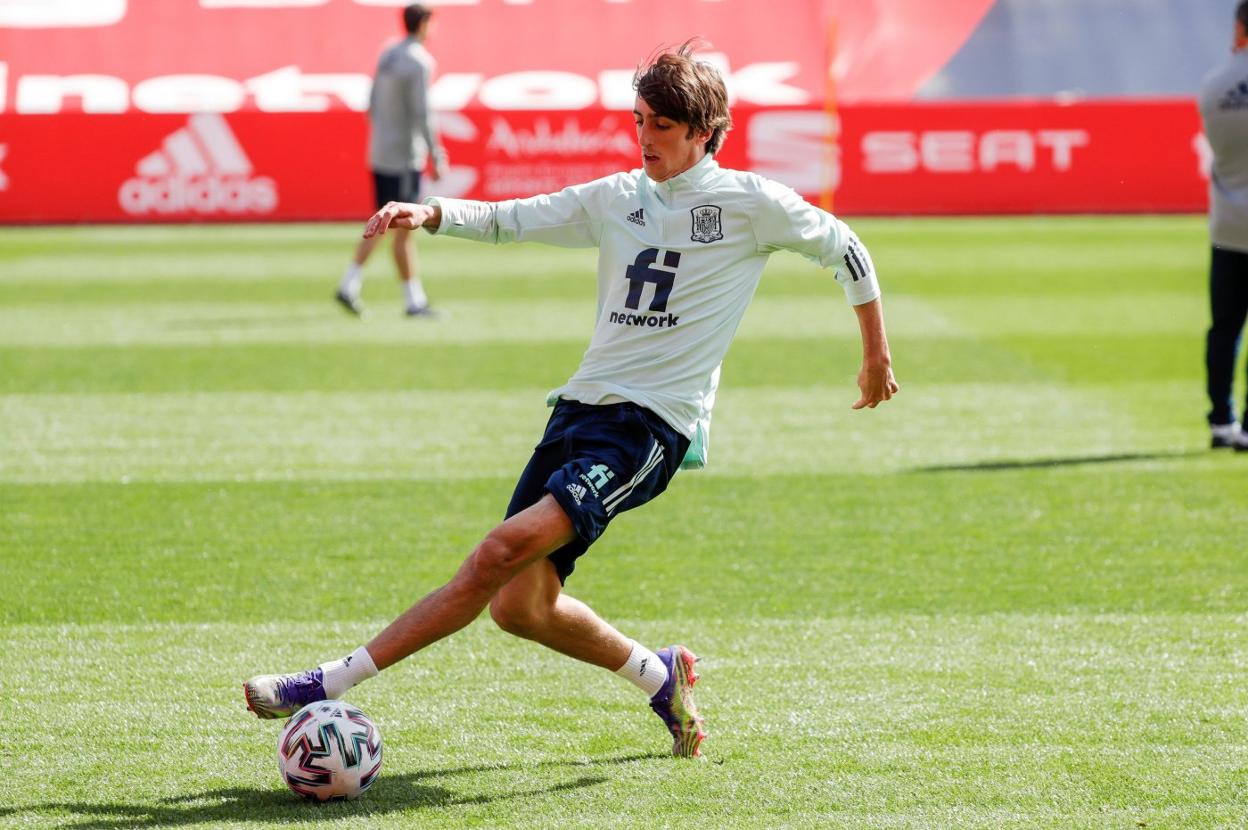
{"x": 1228, "y": 300}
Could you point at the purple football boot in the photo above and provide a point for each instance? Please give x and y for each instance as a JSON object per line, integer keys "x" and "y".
{"x": 281, "y": 695}
{"x": 674, "y": 702}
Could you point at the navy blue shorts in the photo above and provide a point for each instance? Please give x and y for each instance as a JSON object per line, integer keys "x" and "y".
{"x": 598, "y": 461}
{"x": 396, "y": 187}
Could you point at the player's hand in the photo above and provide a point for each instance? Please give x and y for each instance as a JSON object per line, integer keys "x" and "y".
{"x": 437, "y": 170}
{"x": 876, "y": 383}
{"x": 397, "y": 215}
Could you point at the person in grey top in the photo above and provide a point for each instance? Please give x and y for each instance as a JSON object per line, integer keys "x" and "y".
{"x": 402, "y": 141}
{"x": 1224, "y": 111}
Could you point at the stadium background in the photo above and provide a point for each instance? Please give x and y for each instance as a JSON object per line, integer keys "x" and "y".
{"x": 1013, "y": 598}
{"x": 252, "y": 109}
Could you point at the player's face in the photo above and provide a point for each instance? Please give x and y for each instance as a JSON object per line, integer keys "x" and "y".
{"x": 667, "y": 148}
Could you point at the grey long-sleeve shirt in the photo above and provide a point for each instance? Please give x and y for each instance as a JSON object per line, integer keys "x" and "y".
{"x": 402, "y": 135}
{"x": 1224, "y": 110}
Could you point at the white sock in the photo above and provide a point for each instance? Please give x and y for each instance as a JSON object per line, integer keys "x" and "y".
{"x": 644, "y": 670}
{"x": 341, "y": 675}
{"x": 414, "y": 292}
{"x": 351, "y": 280}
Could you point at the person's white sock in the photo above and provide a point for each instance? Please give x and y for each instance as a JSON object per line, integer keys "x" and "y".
{"x": 644, "y": 670}
{"x": 414, "y": 292}
{"x": 341, "y": 675}
{"x": 351, "y": 280}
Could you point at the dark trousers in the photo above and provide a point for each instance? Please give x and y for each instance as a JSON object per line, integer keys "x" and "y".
{"x": 1228, "y": 301}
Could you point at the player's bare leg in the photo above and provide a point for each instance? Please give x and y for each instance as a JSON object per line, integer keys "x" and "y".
{"x": 529, "y": 535}
{"x": 509, "y": 572}
{"x": 407, "y": 265}
{"x": 348, "y": 295}
{"x": 532, "y": 605}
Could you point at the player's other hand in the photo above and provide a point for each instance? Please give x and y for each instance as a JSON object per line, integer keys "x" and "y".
{"x": 398, "y": 215}
{"x": 876, "y": 383}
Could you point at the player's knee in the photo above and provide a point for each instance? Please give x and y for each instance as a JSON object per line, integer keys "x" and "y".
{"x": 494, "y": 561}
{"x": 518, "y": 617}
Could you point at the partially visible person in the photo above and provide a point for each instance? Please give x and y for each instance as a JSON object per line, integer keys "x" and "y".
{"x": 1224, "y": 111}
{"x": 402, "y": 141}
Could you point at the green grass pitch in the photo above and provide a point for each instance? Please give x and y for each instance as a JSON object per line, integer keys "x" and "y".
{"x": 1016, "y": 596}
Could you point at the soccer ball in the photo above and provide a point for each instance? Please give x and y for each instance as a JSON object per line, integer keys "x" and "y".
{"x": 329, "y": 750}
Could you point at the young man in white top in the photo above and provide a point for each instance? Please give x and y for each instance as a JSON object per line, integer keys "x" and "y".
{"x": 402, "y": 141}
{"x": 682, "y": 244}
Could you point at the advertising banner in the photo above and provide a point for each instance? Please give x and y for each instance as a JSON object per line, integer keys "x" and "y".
{"x": 1026, "y": 157}
{"x": 160, "y": 56}
{"x": 860, "y": 160}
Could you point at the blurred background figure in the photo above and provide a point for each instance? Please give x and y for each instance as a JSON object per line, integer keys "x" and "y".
{"x": 1224, "y": 110}
{"x": 402, "y": 140}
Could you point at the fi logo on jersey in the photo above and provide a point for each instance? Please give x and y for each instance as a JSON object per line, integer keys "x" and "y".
{"x": 706, "y": 223}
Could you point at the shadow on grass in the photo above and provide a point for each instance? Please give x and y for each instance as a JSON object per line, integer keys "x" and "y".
{"x": 1040, "y": 463}
{"x": 391, "y": 794}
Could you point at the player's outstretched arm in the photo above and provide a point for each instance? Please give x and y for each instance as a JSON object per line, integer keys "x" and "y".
{"x": 875, "y": 378}
{"x": 402, "y": 215}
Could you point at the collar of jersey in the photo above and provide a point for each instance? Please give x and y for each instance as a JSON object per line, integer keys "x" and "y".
{"x": 691, "y": 179}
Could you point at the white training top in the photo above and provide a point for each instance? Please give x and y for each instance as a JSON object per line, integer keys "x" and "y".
{"x": 678, "y": 264}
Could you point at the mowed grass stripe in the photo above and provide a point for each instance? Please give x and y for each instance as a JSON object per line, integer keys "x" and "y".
{"x": 432, "y": 434}
{"x": 1107, "y": 358}
{"x": 537, "y": 320}
{"x": 382, "y": 292}
{"x": 1061, "y": 257}
{"x": 470, "y": 321}
{"x": 305, "y": 254}
{"x": 1081, "y": 535}
{"x": 890, "y": 721}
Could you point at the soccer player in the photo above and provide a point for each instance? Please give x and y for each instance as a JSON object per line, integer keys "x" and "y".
{"x": 402, "y": 140}
{"x": 682, "y": 244}
{"x": 1224, "y": 111}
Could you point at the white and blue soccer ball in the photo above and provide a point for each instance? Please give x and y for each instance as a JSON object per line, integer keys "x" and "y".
{"x": 329, "y": 750}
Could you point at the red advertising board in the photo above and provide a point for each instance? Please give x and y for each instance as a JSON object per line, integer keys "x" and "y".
{"x": 879, "y": 159}
{"x": 314, "y": 55}
{"x": 1037, "y": 157}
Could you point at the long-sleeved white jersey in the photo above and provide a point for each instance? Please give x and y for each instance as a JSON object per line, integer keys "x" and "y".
{"x": 678, "y": 264}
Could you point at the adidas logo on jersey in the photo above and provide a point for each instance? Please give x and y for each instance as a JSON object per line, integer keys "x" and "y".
{"x": 198, "y": 169}
{"x": 637, "y": 217}
{"x": 1235, "y": 98}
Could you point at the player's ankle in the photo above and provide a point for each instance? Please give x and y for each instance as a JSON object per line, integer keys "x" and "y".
{"x": 341, "y": 675}
{"x": 644, "y": 669}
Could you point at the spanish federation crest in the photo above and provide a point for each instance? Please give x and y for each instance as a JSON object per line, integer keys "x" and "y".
{"x": 706, "y": 224}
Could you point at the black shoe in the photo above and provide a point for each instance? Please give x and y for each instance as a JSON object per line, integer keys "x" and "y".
{"x": 427, "y": 311}
{"x": 351, "y": 304}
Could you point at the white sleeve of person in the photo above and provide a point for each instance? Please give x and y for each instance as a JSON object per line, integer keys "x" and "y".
{"x": 564, "y": 218}
{"x": 788, "y": 222}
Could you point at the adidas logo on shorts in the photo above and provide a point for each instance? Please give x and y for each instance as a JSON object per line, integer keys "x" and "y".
{"x": 578, "y": 492}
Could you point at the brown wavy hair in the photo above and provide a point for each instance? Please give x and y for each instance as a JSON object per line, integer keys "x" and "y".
{"x": 689, "y": 91}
